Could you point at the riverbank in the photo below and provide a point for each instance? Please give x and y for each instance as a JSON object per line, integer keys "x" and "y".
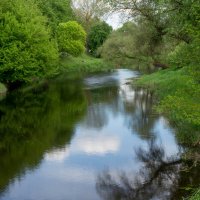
{"x": 99, "y": 112}
{"x": 83, "y": 63}
{"x": 178, "y": 97}
{"x": 67, "y": 65}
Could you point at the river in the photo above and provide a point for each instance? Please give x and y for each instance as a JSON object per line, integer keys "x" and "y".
{"x": 89, "y": 138}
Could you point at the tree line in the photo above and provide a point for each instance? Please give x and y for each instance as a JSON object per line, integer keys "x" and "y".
{"x": 160, "y": 33}
{"x": 35, "y": 33}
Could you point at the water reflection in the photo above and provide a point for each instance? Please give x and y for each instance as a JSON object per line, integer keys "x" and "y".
{"x": 157, "y": 179}
{"x": 138, "y": 102}
{"x": 34, "y": 122}
{"x": 56, "y": 139}
{"x": 99, "y": 145}
{"x": 58, "y": 155}
{"x": 135, "y": 105}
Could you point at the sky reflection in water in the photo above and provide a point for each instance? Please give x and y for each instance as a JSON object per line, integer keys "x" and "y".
{"x": 117, "y": 122}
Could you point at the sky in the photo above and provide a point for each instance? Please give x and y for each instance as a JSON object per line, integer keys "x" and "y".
{"x": 115, "y": 20}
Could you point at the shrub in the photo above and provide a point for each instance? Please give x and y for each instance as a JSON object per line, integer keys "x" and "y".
{"x": 97, "y": 36}
{"x": 71, "y": 38}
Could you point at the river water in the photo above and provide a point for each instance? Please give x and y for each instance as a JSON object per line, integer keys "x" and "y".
{"x": 89, "y": 138}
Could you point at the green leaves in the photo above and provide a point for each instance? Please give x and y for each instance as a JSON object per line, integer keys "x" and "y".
{"x": 56, "y": 11}
{"x": 26, "y": 49}
{"x": 71, "y": 38}
{"x": 97, "y": 36}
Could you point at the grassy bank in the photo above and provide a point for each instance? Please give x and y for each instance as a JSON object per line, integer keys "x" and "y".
{"x": 195, "y": 196}
{"x": 69, "y": 66}
{"x": 84, "y": 63}
{"x": 178, "y": 97}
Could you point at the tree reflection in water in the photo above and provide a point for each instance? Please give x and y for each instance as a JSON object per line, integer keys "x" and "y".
{"x": 157, "y": 179}
{"x": 34, "y": 122}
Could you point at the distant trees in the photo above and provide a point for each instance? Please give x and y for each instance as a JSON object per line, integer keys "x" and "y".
{"x": 151, "y": 24}
{"x": 88, "y": 12}
{"x": 130, "y": 45}
{"x": 97, "y": 36}
{"x": 71, "y": 38}
{"x": 26, "y": 49}
{"x": 167, "y": 31}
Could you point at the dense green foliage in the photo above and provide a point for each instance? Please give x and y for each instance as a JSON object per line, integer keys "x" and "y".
{"x": 97, "y": 35}
{"x": 134, "y": 44}
{"x": 26, "y": 49}
{"x": 122, "y": 48}
{"x": 3, "y": 89}
{"x": 56, "y": 11}
{"x": 31, "y": 37}
{"x": 71, "y": 38}
{"x": 166, "y": 32}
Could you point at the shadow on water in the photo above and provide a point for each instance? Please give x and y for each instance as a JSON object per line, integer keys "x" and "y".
{"x": 157, "y": 179}
{"x": 34, "y": 122}
{"x": 160, "y": 177}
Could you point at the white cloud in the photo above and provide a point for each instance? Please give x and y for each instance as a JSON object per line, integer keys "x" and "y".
{"x": 58, "y": 155}
{"x": 97, "y": 144}
{"x": 127, "y": 93}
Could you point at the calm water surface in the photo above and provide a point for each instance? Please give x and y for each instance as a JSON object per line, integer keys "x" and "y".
{"x": 88, "y": 139}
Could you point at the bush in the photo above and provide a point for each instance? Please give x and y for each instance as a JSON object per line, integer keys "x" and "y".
{"x": 26, "y": 50}
{"x": 56, "y": 11}
{"x": 71, "y": 38}
{"x": 97, "y": 36}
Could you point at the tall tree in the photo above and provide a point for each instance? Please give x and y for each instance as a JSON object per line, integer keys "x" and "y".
{"x": 146, "y": 13}
{"x": 89, "y": 11}
{"x": 26, "y": 49}
{"x": 97, "y": 36}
